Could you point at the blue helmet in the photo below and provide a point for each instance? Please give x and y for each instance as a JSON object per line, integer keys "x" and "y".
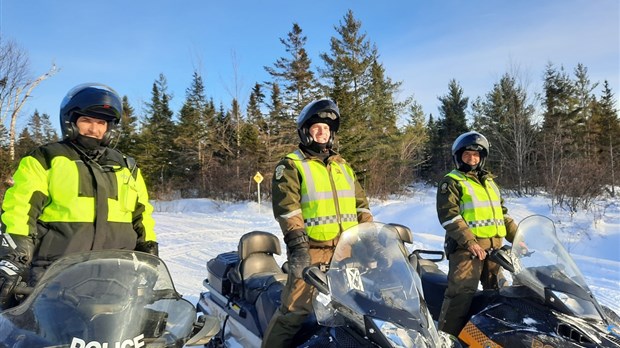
{"x": 94, "y": 100}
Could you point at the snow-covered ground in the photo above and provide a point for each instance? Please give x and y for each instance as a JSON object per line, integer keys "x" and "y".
{"x": 192, "y": 231}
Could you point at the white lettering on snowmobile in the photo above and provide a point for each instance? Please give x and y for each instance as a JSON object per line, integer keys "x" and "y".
{"x": 136, "y": 342}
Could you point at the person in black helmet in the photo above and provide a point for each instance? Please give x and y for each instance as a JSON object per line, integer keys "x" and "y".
{"x": 471, "y": 210}
{"x": 73, "y": 195}
{"x": 315, "y": 196}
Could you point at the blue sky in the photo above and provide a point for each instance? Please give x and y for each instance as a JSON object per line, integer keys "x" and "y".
{"x": 423, "y": 44}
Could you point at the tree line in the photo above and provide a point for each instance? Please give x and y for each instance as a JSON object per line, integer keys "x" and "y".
{"x": 562, "y": 140}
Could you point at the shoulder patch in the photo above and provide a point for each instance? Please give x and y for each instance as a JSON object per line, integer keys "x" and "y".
{"x": 444, "y": 188}
{"x": 279, "y": 171}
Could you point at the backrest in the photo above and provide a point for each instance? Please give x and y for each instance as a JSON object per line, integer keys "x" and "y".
{"x": 256, "y": 251}
{"x": 403, "y": 231}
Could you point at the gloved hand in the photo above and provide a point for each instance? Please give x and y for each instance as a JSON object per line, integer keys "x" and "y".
{"x": 10, "y": 275}
{"x": 149, "y": 247}
{"x": 298, "y": 246}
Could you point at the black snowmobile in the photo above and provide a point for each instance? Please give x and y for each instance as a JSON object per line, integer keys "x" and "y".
{"x": 545, "y": 303}
{"x": 359, "y": 302}
{"x": 105, "y": 299}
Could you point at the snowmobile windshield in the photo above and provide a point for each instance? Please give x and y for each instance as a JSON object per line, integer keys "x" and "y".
{"x": 371, "y": 282}
{"x": 544, "y": 265}
{"x": 107, "y": 298}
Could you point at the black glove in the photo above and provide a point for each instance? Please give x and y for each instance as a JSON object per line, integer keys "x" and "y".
{"x": 10, "y": 276}
{"x": 149, "y": 247}
{"x": 297, "y": 244}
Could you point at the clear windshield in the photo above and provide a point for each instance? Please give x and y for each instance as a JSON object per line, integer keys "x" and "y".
{"x": 118, "y": 298}
{"x": 543, "y": 264}
{"x": 363, "y": 285}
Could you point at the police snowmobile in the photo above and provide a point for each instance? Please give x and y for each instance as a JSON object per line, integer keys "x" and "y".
{"x": 105, "y": 299}
{"x": 359, "y": 303}
{"x": 545, "y": 303}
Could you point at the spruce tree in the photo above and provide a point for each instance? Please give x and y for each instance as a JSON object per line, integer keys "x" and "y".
{"x": 157, "y": 156}
{"x": 293, "y": 73}
{"x": 450, "y": 125}
{"x": 126, "y": 140}
{"x": 191, "y": 140}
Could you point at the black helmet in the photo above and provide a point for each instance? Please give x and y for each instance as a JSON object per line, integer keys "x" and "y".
{"x": 94, "y": 100}
{"x": 470, "y": 141}
{"x": 318, "y": 111}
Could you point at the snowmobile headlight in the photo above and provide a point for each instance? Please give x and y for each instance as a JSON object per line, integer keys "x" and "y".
{"x": 400, "y": 337}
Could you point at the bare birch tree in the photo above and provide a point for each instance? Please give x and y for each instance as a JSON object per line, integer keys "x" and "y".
{"x": 16, "y": 85}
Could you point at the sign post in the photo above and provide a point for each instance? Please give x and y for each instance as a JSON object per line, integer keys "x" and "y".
{"x": 258, "y": 178}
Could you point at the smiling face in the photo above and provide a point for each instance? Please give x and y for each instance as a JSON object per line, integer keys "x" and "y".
{"x": 471, "y": 157}
{"x": 319, "y": 133}
{"x": 91, "y": 127}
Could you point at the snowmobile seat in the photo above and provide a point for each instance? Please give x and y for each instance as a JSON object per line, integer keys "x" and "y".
{"x": 257, "y": 269}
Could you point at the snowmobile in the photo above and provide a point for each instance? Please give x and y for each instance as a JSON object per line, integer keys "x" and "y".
{"x": 105, "y": 299}
{"x": 545, "y": 301}
{"x": 361, "y": 302}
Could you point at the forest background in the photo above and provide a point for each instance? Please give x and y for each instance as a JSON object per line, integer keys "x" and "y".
{"x": 562, "y": 139}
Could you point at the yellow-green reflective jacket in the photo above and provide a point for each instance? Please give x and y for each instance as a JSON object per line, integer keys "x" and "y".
{"x": 68, "y": 204}
{"x": 480, "y": 206}
{"x": 328, "y": 201}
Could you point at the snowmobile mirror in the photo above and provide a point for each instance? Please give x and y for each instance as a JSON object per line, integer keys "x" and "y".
{"x": 501, "y": 257}
{"x": 315, "y": 277}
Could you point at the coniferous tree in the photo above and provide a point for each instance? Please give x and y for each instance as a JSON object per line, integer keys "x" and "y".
{"x": 450, "y": 125}
{"x": 281, "y": 128}
{"x": 25, "y": 143}
{"x": 158, "y": 131}
{"x": 257, "y": 121}
{"x": 49, "y": 132}
{"x": 356, "y": 80}
{"x": 506, "y": 120}
{"x": 191, "y": 140}
{"x": 347, "y": 73}
{"x": 126, "y": 140}
{"x": 293, "y": 74}
{"x": 605, "y": 134}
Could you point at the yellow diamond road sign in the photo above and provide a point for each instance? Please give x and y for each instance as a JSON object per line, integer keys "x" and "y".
{"x": 258, "y": 178}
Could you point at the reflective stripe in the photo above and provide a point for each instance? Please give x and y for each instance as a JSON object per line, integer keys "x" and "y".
{"x": 480, "y": 206}
{"x": 291, "y": 214}
{"x": 454, "y": 219}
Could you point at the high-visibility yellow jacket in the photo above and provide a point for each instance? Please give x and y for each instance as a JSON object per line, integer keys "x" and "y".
{"x": 65, "y": 202}
{"x": 481, "y": 206}
{"x": 325, "y": 199}
{"x": 453, "y": 191}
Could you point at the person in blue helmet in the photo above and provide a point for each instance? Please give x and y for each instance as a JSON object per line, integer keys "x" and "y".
{"x": 74, "y": 195}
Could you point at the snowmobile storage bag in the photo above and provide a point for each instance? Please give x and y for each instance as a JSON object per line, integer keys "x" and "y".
{"x": 218, "y": 270}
